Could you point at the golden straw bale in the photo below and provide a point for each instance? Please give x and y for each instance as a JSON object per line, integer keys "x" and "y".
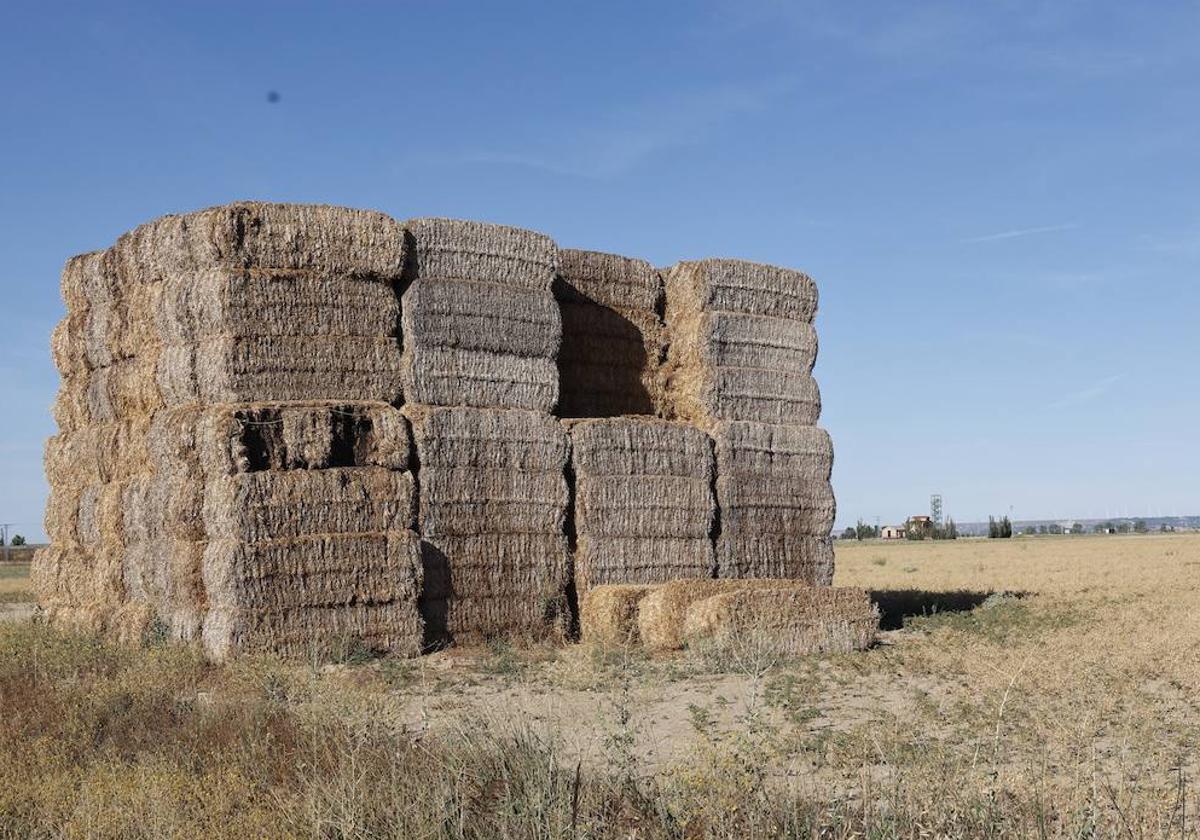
{"x": 608, "y": 614}
{"x": 264, "y": 235}
{"x": 453, "y": 249}
{"x": 662, "y": 612}
{"x": 796, "y": 622}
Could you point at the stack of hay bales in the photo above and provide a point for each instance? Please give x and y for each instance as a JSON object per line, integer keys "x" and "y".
{"x": 644, "y": 508}
{"x": 739, "y": 364}
{"x": 481, "y": 330}
{"x": 182, "y": 345}
{"x": 614, "y": 341}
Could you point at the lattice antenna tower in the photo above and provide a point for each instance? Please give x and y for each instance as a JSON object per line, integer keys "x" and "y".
{"x": 935, "y": 509}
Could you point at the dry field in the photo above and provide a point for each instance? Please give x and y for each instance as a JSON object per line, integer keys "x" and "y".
{"x": 1036, "y": 687}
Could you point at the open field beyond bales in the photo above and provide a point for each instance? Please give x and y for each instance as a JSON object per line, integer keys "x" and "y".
{"x": 1030, "y": 687}
{"x": 14, "y": 583}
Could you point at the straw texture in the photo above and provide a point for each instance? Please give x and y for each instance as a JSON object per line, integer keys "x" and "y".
{"x": 663, "y": 611}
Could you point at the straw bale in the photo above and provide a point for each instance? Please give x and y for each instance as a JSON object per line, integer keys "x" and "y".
{"x": 269, "y": 302}
{"x": 662, "y": 611}
{"x": 314, "y": 571}
{"x": 452, "y": 249}
{"x": 628, "y": 446}
{"x": 775, "y": 505}
{"x": 451, "y": 377}
{"x": 168, "y": 503}
{"x": 705, "y": 394}
{"x": 601, "y": 559}
{"x": 797, "y": 622}
{"x": 165, "y": 573}
{"x": 101, "y": 514}
{"x": 305, "y": 596}
{"x": 471, "y": 315}
{"x": 799, "y": 557}
{"x": 767, "y": 450}
{"x": 735, "y": 339}
{"x": 276, "y": 436}
{"x": 468, "y": 500}
{"x": 123, "y": 389}
{"x": 644, "y": 506}
{"x": 608, "y": 280}
{"x": 590, "y": 328}
{"x": 60, "y": 518}
{"x": 267, "y": 505}
{"x": 67, "y": 348}
{"x": 239, "y": 369}
{"x": 741, "y": 286}
{"x": 481, "y": 586}
{"x": 70, "y": 407}
{"x": 608, "y": 614}
{"x": 264, "y": 235}
{"x": 522, "y": 441}
{"x": 98, "y": 453}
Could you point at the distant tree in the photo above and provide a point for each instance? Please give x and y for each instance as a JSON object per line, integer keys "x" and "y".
{"x": 1165, "y": 528}
{"x": 1139, "y": 526}
{"x": 849, "y": 534}
{"x": 1029, "y": 530}
{"x": 17, "y": 540}
{"x": 1124, "y": 527}
{"x": 863, "y": 531}
{"x": 949, "y": 531}
{"x": 1055, "y": 529}
{"x": 1077, "y": 528}
{"x": 993, "y": 528}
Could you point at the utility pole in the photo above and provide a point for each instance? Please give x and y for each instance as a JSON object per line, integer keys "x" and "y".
{"x": 4, "y": 526}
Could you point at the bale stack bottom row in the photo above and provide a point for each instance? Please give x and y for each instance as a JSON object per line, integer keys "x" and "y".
{"x": 294, "y": 428}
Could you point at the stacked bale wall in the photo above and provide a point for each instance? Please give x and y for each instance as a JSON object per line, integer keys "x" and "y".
{"x": 739, "y": 364}
{"x": 481, "y": 332}
{"x": 183, "y": 344}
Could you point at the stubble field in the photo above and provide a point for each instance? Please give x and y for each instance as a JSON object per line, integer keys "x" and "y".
{"x": 1026, "y": 687}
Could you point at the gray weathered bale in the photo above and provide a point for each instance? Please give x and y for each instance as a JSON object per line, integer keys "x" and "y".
{"x": 522, "y": 441}
{"x": 262, "y": 302}
{"x": 735, "y": 339}
{"x": 601, "y": 560}
{"x": 639, "y": 446}
{"x": 450, "y": 377}
{"x": 489, "y": 585}
{"x": 491, "y": 317}
{"x": 231, "y": 369}
{"x": 608, "y": 280}
{"x": 467, "y": 501}
{"x": 804, "y": 558}
{"x": 452, "y": 249}
{"x": 257, "y": 506}
{"x": 765, "y": 449}
{"x": 661, "y": 506}
{"x": 774, "y": 505}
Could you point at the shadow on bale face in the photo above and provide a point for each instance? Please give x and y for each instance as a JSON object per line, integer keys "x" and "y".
{"x": 436, "y": 590}
{"x": 898, "y": 605}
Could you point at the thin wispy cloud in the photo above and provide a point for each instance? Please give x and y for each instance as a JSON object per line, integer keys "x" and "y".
{"x": 1085, "y": 395}
{"x": 1019, "y": 232}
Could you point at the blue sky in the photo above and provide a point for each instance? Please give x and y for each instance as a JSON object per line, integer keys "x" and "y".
{"x": 999, "y": 201}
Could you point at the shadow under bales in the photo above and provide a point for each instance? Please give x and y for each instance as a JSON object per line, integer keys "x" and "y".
{"x": 897, "y": 605}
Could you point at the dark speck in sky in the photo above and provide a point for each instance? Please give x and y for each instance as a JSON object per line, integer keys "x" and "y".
{"x": 273, "y": 96}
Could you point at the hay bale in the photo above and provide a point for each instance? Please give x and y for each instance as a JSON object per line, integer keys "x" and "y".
{"x": 271, "y": 302}
{"x": 449, "y": 377}
{"x": 644, "y": 506}
{"x": 741, "y": 344}
{"x": 465, "y": 500}
{"x": 360, "y": 243}
{"x": 773, "y": 505}
{"x": 297, "y": 596}
{"x": 98, "y": 453}
{"x": 240, "y": 369}
{"x": 807, "y": 558}
{"x": 614, "y": 341}
{"x": 603, "y": 560}
{"x": 608, "y": 614}
{"x": 482, "y": 438}
{"x": 474, "y": 315}
{"x": 741, "y": 286}
{"x": 269, "y": 505}
{"x": 662, "y": 612}
{"x": 453, "y": 249}
{"x": 764, "y": 449}
{"x": 795, "y": 622}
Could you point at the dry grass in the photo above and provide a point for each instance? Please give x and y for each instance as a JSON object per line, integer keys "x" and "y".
{"x": 14, "y": 583}
{"x": 1071, "y": 711}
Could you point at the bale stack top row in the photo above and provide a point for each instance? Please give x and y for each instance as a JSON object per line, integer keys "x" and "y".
{"x": 288, "y": 427}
